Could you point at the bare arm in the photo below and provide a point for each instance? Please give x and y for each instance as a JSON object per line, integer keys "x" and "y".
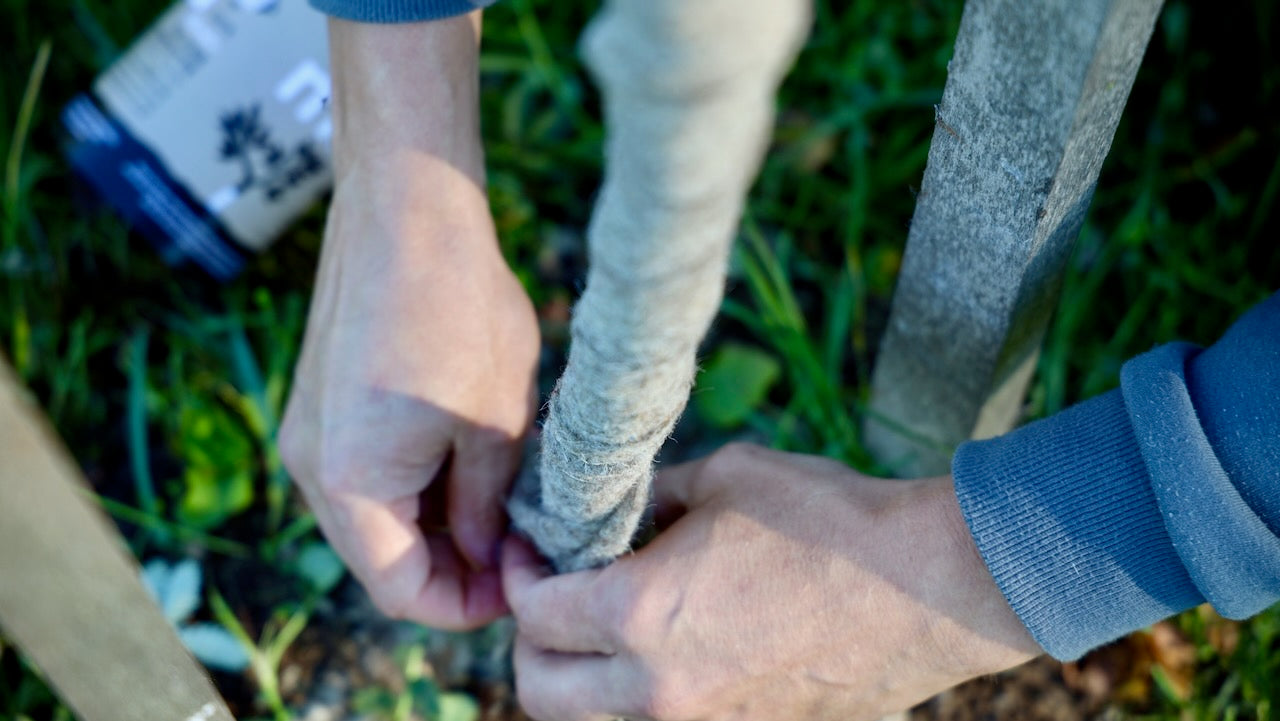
{"x": 406, "y": 98}
{"x": 416, "y": 377}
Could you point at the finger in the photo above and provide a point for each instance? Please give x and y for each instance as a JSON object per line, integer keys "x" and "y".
{"x": 329, "y": 528}
{"x": 682, "y": 488}
{"x": 679, "y": 488}
{"x": 560, "y": 613}
{"x": 347, "y": 545}
{"x": 483, "y": 468}
{"x": 463, "y": 596}
{"x": 567, "y": 687}
{"x": 406, "y": 577}
{"x": 338, "y": 536}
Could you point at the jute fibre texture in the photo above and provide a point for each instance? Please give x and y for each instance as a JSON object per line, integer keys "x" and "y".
{"x": 689, "y": 105}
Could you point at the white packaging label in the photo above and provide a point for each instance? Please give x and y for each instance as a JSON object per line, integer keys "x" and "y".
{"x": 231, "y": 97}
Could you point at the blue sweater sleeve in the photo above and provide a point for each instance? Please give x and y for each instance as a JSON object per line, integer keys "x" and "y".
{"x": 397, "y": 11}
{"x": 1141, "y": 502}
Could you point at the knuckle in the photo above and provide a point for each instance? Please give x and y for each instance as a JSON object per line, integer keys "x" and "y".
{"x": 325, "y": 466}
{"x": 628, "y": 629}
{"x": 667, "y": 697}
{"x": 628, "y": 619}
{"x": 739, "y": 464}
{"x": 730, "y": 457}
{"x": 318, "y": 459}
{"x": 390, "y": 604}
{"x": 337, "y": 470}
{"x": 533, "y": 701}
{"x": 644, "y": 618}
{"x": 520, "y": 606}
{"x": 333, "y": 482}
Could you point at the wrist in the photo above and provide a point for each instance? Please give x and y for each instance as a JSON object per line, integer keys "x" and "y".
{"x": 407, "y": 91}
{"x": 978, "y": 632}
{"x": 408, "y": 163}
{"x": 416, "y": 224}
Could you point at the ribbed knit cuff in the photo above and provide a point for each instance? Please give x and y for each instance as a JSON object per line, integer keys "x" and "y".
{"x": 1225, "y": 545}
{"x": 1063, "y": 513}
{"x": 397, "y": 11}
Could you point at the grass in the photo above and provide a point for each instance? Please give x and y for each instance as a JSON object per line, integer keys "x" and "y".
{"x": 168, "y": 388}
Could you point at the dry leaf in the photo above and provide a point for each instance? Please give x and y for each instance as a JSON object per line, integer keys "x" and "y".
{"x": 1119, "y": 672}
{"x": 1176, "y": 656}
{"x": 1223, "y": 634}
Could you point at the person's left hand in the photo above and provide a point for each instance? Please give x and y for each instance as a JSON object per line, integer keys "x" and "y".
{"x": 787, "y": 586}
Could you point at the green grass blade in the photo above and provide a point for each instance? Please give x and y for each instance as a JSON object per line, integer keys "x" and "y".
{"x": 158, "y": 525}
{"x": 18, "y": 142}
{"x": 136, "y": 417}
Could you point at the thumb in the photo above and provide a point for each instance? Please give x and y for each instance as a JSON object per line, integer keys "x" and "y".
{"x": 484, "y": 465}
{"x": 677, "y": 490}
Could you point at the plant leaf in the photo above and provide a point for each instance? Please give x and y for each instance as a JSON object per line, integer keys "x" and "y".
{"x": 426, "y": 697}
{"x": 458, "y": 707}
{"x": 182, "y": 595}
{"x": 376, "y": 702}
{"x": 734, "y": 382}
{"x": 155, "y": 578}
{"x": 219, "y": 459}
{"x": 320, "y": 566}
{"x": 214, "y": 646}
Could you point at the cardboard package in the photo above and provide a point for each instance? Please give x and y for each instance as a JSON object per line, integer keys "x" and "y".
{"x": 210, "y": 135}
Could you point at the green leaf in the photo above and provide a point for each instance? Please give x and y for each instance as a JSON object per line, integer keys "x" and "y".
{"x": 139, "y": 452}
{"x": 320, "y": 566}
{"x": 214, "y": 646}
{"x": 458, "y": 707}
{"x": 180, "y": 594}
{"x": 219, "y": 464}
{"x": 210, "y": 498}
{"x": 734, "y": 382}
{"x": 427, "y": 699}
{"x": 376, "y": 702}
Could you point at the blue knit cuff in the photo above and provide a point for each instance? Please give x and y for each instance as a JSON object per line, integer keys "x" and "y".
{"x": 1226, "y": 546}
{"x": 397, "y": 11}
{"x": 1063, "y": 513}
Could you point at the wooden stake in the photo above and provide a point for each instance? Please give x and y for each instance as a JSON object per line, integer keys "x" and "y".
{"x": 70, "y": 594}
{"x": 1033, "y": 96}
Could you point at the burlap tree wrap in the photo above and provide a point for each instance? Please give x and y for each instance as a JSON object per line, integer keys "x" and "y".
{"x": 689, "y": 103}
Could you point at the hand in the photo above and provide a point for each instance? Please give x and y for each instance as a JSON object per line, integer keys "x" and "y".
{"x": 416, "y": 380}
{"x": 787, "y": 587}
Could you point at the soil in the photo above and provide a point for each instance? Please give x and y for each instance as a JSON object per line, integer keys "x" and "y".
{"x": 1035, "y": 691}
{"x": 350, "y": 646}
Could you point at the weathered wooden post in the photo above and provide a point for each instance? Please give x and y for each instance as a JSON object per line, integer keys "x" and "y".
{"x": 70, "y": 595}
{"x": 1034, "y": 92}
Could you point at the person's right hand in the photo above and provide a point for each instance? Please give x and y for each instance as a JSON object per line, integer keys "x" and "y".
{"x": 781, "y": 586}
{"x": 416, "y": 381}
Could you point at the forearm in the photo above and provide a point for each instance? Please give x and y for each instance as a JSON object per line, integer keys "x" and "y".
{"x": 421, "y": 345}
{"x": 409, "y": 201}
{"x": 405, "y": 104}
